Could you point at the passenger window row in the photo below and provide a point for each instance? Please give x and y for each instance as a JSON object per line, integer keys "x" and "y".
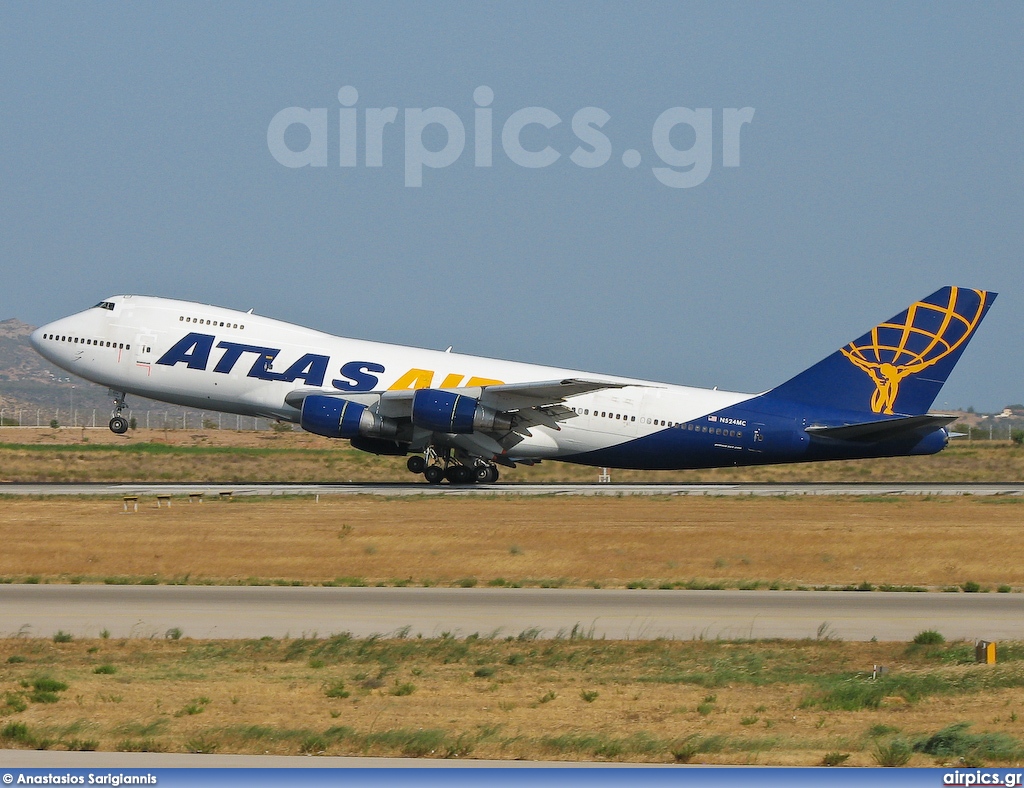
{"x": 83, "y": 341}
{"x": 663, "y": 423}
{"x": 205, "y": 322}
{"x": 609, "y": 415}
{"x": 712, "y": 430}
{"x": 605, "y": 414}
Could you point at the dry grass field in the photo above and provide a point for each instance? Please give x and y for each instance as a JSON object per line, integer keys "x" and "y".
{"x": 796, "y": 703}
{"x": 761, "y": 702}
{"x": 81, "y": 455}
{"x": 555, "y": 541}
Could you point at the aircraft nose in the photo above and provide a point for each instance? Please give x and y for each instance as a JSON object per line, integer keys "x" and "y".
{"x": 36, "y": 337}
{"x": 42, "y": 346}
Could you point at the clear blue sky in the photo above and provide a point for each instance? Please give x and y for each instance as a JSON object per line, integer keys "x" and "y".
{"x": 884, "y": 160}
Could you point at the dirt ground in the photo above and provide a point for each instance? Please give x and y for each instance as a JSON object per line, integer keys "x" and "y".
{"x": 766, "y": 703}
{"x": 612, "y": 542}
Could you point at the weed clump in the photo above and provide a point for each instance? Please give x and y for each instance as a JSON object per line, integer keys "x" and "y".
{"x": 15, "y": 732}
{"x": 45, "y": 689}
{"x": 139, "y": 745}
{"x": 82, "y": 745}
{"x": 13, "y": 704}
{"x": 893, "y": 753}
{"x": 193, "y": 707}
{"x": 313, "y": 745}
{"x": 687, "y": 749}
{"x": 954, "y": 741}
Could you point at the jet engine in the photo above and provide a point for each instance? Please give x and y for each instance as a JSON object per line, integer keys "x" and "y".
{"x": 336, "y": 417}
{"x": 448, "y": 412}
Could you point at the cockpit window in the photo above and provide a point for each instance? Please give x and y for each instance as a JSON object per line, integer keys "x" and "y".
{"x": 105, "y": 305}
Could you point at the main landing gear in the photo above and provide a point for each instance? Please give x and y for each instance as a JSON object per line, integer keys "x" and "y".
{"x": 118, "y": 423}
{"x": 437, "y": 468}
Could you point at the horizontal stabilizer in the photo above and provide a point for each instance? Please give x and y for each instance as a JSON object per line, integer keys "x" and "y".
{"x": 879, "y": 431}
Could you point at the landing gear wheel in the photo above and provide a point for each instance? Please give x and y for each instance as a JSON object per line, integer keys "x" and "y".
{"x": 416, "y": 464}
{"x": 119, "y": 425}
{"x": 485, "y": 474}
{"x": 459, "y": 474}
{"x": 433, "y": 474}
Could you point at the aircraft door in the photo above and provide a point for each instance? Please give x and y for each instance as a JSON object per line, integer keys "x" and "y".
{"x": 144, "y": 348}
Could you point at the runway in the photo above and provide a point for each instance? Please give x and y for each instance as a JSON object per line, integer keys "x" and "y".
{"x": 203, "y": 612}
{"x": 391, "y": 489}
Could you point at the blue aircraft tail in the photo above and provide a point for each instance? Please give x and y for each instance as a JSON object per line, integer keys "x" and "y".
{"x": 899, "y": 366}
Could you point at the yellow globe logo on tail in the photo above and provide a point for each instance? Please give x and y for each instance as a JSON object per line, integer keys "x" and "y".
{"x": 895, "y": 351}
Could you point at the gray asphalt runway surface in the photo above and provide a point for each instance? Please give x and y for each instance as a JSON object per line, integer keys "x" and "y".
{"x": 420, "y": 488}
{"x": 253, "y": 612}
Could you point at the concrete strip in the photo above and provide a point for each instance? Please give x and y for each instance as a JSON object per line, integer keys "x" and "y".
{"x": 205, "y": 612}
{"x": 390, "y": 489}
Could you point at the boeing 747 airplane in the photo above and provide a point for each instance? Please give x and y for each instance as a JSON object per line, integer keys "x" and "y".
{"x": 460, "y": 416}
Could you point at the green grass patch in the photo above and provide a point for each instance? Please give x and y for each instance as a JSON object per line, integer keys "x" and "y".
{"x": 955, "y": 741}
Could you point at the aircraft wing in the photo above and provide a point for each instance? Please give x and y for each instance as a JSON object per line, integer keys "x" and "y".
{"x": 534, "y": 403}
{"x": 883, "y": 430}
{"x": 517, "y": 396}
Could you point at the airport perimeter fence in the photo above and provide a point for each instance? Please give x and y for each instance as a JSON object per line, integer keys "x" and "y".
{"x": 994, "y": 430}
{"x": 144, "y": 419}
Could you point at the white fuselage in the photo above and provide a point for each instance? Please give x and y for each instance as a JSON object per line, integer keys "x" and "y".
{"x": 247, "y": 364}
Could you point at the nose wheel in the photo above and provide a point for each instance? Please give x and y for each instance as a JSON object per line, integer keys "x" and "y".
{"x": 119, "y": 425}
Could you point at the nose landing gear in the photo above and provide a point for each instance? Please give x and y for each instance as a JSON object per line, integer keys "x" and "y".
{"x": 118, "y": 423}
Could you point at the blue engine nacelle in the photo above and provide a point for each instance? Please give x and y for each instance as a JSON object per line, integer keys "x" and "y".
{"x": 336, "y": 417}
{"x": 448, "y": 412}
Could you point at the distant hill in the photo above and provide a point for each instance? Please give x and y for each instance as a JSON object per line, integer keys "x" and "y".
{"x": 30, "y": 384}
{"x": 18, "y": 361}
